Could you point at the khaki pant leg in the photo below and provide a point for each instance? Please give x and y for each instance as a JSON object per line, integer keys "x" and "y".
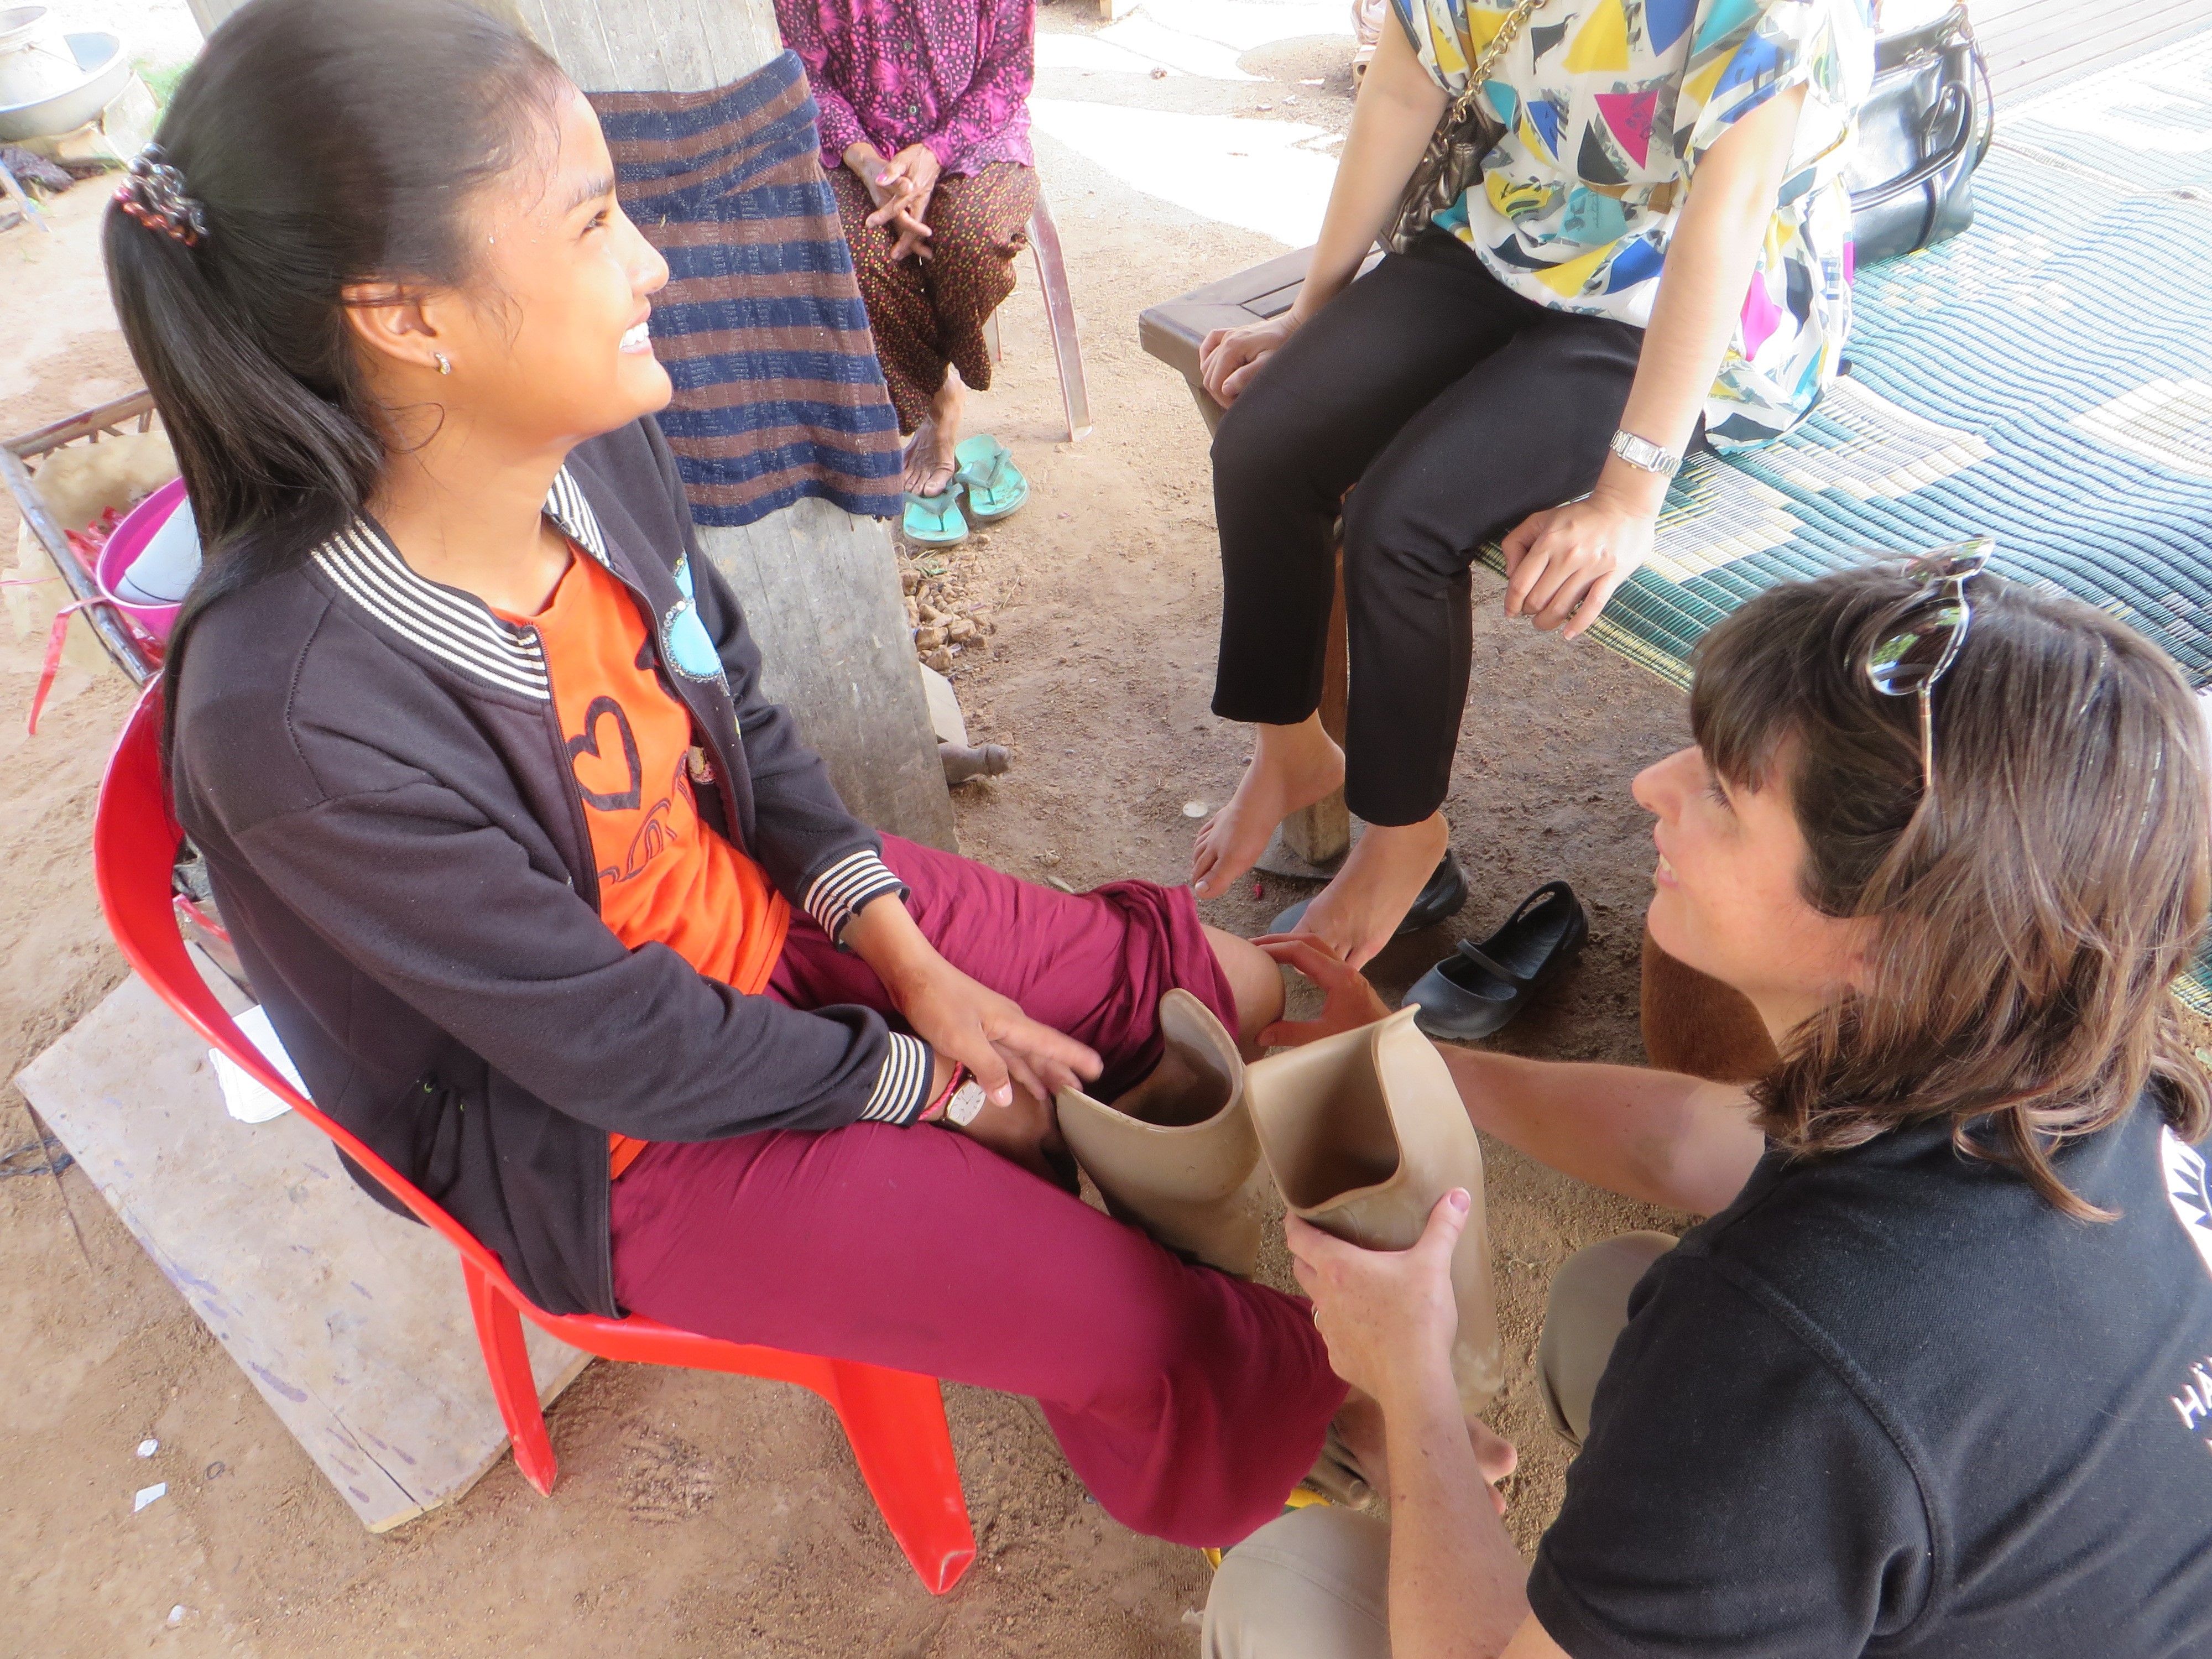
{"x": 1313, "y": 1585}
{"x": 1588, "y": 1308}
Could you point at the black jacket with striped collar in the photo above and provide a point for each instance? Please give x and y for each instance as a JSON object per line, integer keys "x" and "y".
{"x": 373, "y": 765}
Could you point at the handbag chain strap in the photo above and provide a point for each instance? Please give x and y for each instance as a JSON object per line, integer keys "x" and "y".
{"x": 1479, "y": 77}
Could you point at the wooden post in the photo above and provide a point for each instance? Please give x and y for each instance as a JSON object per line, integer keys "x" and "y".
{"x": 820, "y": 587}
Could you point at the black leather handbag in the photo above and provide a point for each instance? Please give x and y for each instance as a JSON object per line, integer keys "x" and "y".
{"x": 1922, "y": 130}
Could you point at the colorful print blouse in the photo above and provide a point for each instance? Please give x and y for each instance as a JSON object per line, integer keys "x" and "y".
{"x": 951, "y": 73}
{"x": 1609, "y": 106}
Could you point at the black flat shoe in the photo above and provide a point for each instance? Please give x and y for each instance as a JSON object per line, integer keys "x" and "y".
{"x": 1444, "y": 896}
{"x": 1475, "y": 992}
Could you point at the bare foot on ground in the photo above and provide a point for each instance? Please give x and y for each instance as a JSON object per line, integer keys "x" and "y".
{"x": 1357, "y": 913}
{"x": 1292, "y": 766}
{"x": 931, "y": 457}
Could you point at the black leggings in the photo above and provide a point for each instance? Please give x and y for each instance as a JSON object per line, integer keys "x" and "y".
{"x": 1458, "y": 408}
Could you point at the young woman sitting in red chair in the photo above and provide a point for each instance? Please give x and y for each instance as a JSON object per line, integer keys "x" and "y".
{"x": 550, "y": 905}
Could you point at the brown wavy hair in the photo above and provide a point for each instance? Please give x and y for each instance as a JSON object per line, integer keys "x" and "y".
{"x": 2029, "y": 917}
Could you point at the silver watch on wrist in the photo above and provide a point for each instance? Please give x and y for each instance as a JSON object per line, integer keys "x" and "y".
{"x": 1644, "y": 455}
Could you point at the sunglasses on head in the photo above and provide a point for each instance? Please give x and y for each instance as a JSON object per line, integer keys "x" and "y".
{"x": 1918, "y": 642}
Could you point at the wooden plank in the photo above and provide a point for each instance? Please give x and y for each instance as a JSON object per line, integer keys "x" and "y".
{"x": 350, "y": 1321}
{"x": 2063, "y": 37}
{"x": 2037, "y": 45}
{"x": 104, "y": 417}
{"x": 50, "y": 535}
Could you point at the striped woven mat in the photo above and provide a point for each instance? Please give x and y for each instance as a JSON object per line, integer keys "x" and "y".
{"x": 2045, "y": 378}
{"x": 778, "y": 391}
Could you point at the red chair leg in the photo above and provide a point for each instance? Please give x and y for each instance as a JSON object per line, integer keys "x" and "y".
{"x": 895, "y": 1422}
{"x": 1059, "y": 318}
{"x": 498, "y": 1329}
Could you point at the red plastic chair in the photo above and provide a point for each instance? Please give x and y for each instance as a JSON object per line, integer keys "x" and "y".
{"x": 1060, "y": 320}
{"x": 895, "y": 1419}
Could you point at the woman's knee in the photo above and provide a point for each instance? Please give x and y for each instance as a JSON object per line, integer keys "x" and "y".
{"x": 1313, "y": 1585}
{"x": 1272, "y": 441}
{"x": 967, "y": 237}
{"x": 1586, "y": 1311}
{"x": 871, "y": 262}
{"x": 1390, "y": 538}
{"x": 1255, "y": 981}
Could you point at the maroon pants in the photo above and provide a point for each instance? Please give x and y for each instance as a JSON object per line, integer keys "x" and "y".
{"x": 1189, "y": 1402}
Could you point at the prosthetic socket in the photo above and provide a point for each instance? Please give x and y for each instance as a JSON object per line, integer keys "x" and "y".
{"x": 1362, "y": 1132}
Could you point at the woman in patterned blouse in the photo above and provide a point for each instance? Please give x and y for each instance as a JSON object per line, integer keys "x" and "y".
{"x": 925, "y": 138}
{"x": 1655, "y": 257}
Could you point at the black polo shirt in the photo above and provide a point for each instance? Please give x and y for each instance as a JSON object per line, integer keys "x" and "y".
{"x": 1891, "y": 1402}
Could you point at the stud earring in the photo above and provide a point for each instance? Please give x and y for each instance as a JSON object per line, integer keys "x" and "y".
{"x": 445, "y": 366}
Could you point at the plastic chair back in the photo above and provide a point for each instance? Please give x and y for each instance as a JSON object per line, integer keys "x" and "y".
{"x": 894, "y": 1419}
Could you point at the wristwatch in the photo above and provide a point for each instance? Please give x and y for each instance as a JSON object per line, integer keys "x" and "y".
{"x": 1644, "y": 455}
{"x": 961, "y": 1103}
{"x": 967, "y": 1103}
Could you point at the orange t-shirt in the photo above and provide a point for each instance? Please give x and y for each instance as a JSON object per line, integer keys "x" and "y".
{"x": 665, "y": 877}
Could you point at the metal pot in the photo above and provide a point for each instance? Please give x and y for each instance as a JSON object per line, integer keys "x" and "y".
{"x": 33, "y": 62}
{"x": 100, "y": 69}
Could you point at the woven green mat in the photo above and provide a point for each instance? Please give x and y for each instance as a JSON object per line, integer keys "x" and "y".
{"x": 2045, "y": 378}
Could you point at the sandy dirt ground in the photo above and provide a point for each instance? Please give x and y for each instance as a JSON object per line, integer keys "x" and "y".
{"x": 700, "y": 1515}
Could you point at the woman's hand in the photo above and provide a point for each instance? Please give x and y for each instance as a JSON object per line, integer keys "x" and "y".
{"x": 984, "y": 1031}
{"x": 911, "y": 235}
{"x": 1229, "y": 357}
{"x": 1389, "y": 1316}
{"x": 1564, "y": 563}
{"x": 910, "y": 178}
{"x": 901, "y": 189}
{"x": 1348, "y": 1001}
{"x": 987, "y": 1033}
{"x": 911, "y": 175}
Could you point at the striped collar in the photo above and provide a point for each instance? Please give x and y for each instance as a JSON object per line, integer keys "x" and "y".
{"x": 456, "y": 628}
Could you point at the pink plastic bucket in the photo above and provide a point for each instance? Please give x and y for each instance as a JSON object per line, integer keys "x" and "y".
{"x": 138, "y": 527}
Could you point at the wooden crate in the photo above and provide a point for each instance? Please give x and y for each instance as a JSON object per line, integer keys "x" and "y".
{"x": 21, "y": 459}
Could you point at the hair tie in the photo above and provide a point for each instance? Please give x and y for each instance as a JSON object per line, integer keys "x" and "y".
{"x": 154, "y": 194}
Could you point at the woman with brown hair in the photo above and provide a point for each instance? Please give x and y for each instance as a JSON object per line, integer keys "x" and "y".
{"x": 1935, "y": 1377}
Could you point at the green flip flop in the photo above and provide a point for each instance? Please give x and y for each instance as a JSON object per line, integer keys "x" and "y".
{"x": 995, "y": 485}
{"x": 935, "y": 520}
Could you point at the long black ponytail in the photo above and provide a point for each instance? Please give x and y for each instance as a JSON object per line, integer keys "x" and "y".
{"x": 318, "y": 143}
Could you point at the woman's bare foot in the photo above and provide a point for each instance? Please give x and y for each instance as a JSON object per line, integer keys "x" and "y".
{"x": 1292, "y": 767}
{"x": 932, "y": 456}
{"x": 1356, "y": 915}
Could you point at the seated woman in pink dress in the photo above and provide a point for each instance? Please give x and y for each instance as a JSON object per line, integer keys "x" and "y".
{"x": 926, "y": 139}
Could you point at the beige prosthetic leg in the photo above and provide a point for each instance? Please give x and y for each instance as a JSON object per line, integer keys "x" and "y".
{"x": 1364, "y": 1132}
{"x": 1175, "y": 1155}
